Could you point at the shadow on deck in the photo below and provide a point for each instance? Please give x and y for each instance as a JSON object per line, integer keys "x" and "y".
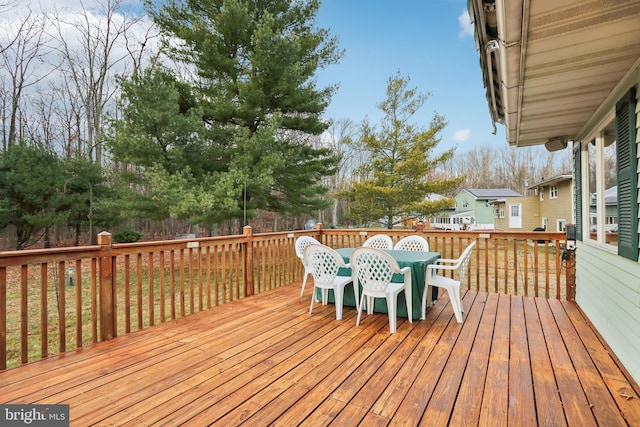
{"x": 264, "y": 360}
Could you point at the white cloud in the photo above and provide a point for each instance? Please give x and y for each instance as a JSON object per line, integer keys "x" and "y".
{"x": 466, "y": 27}
{"x": 462, "y": 135}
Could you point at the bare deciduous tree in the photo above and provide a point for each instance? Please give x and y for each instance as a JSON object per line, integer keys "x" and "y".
{"x": 91, "y": 62}
{"x": 20, "y": 60}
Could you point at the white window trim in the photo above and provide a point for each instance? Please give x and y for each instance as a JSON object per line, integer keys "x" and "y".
{"x": 598, "y": 136}
{"x": 553, "y": 191}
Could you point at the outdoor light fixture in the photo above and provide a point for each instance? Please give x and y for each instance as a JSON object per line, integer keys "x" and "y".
{"x": 556, "y": 143}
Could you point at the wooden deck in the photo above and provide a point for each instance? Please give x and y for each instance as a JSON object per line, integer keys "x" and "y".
{"x": 264, "y": 360}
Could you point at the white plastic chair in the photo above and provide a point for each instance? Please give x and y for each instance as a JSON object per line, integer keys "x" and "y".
{"x": 451, "y": 285}
{"x": 412, "y": 243}
{"x": 301, "y": 243}
{"x": 325, "y": 263}
{"x": 374, "y": 269}
{"x": 379, "y": 241}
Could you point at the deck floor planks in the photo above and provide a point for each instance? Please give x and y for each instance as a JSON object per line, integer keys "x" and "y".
{"x": 206, "y": 382}
{"x": 495, "y": 402}
{"x": 600, "y": 400}
{"x": 626, "y": 396}
{"x": 307, "y": 376}
{"x": 549, "y": 411}
{"x": 166, "y": 372}
{"x": 328, "y": 377}
{"x": 468, "y": 402}
{"x": 247, "y": 375}
{"x": 440, "y": 406}
{"x": 576, "y": 407}
{"x": 277, "y": 379}
{"x": 417, "y": 398}
{"x": 522, "y": 410}
{"x": 265, "y": 361}
{"x": 392, "y": 395}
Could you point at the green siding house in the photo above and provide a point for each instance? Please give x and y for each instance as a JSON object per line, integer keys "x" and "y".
{"x": 566, "y": 75}
{"x": 473, "y": 209}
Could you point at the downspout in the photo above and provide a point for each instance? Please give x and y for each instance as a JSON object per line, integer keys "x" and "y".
{"x": 489, "y": 49}
{"x": 523, "y": 52}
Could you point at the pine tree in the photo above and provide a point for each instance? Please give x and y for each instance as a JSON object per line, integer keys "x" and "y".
{"x": 399, "y": 175}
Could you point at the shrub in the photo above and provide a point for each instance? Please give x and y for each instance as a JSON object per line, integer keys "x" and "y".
{"x": 127, "y": 236}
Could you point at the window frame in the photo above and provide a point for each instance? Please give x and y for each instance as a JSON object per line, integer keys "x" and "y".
{"x": 623, "y": 117}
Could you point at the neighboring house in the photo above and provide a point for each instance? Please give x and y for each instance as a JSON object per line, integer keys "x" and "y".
{"x": 550, "y": 207}
{"x": 516, "y": 213}
{"x": 567, "y": 74}
{"x": 555, "y": 198}
{"x": 473, "y": 209}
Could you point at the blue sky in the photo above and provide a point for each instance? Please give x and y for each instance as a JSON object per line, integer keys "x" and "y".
{"x": 429, "y": 40}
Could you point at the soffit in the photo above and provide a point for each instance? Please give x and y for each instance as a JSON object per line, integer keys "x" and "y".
{"x": 558, "y": 62}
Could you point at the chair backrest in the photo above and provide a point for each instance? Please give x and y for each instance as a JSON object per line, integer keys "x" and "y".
{"x": 379, "y": 241}
{"x": 412, "y": 243}
{"x": 302, "y": 242}
{"x": 464, "y": 260}
{"x": 373, "y": 268}
{"x": 324, "y": 262}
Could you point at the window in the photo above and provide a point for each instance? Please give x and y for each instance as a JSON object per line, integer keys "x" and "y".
{"x": 553, "y": 191}
{"x": 502, "y": 209}
{"x": 608, "y": 198}
{"x": 465, "y": 204}
{"x": 561, "y": 225}
{"x": 544, "y": 223}
{"x": 542, "y": 193}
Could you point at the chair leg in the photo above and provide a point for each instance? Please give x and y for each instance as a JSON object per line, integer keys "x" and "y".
{"x": 392, "y": 301}
{"x": 312, "y": 300}
{"x": 427, "y": 291}
{"x": 304, "y": 282}
{"x": 359, "y": 307}
{"x": 455, "y": 303}
{"x": 338, "y": 294}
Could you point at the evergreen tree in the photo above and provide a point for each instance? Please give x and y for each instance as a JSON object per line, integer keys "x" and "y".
{"x": 244, "y": 122}
{"x": 30, "y": 179}
{"x": 398, "y": 177}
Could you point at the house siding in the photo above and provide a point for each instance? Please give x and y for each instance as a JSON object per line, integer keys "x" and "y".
{"x": 608, "y": 291}
{"x": 530, "y": 214}
{"x": 558, "y": 208}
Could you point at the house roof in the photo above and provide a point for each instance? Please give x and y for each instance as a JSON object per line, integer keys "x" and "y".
{"x": 552, "y": 69}
{"x": 611, "y": 196}
{"x": 554, "y": 180}
{"x": 492, "y": 193}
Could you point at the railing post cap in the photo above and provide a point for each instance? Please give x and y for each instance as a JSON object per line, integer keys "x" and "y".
{"x": 319, "y": 226}
{"x": 246, "y": 230}
{"x": 104, "y": 238}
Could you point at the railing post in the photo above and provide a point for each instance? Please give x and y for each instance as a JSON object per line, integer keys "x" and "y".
{"x": 249, "y": 284}
{"x": 318, "y": 236}
{"x": 571, "y": 275}
{"x": 420, "y": 227}
{"x": 107, "y": 312}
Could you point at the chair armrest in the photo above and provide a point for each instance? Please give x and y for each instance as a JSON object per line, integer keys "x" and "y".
{"x": 440, "y": 260}
{"x": 404, "y": 270}
{"x": 347, "y": 265}
{"x": 432, "y": 267}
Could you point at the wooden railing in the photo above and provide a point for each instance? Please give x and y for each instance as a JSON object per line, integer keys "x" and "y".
{"x": 55, "y": 300}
